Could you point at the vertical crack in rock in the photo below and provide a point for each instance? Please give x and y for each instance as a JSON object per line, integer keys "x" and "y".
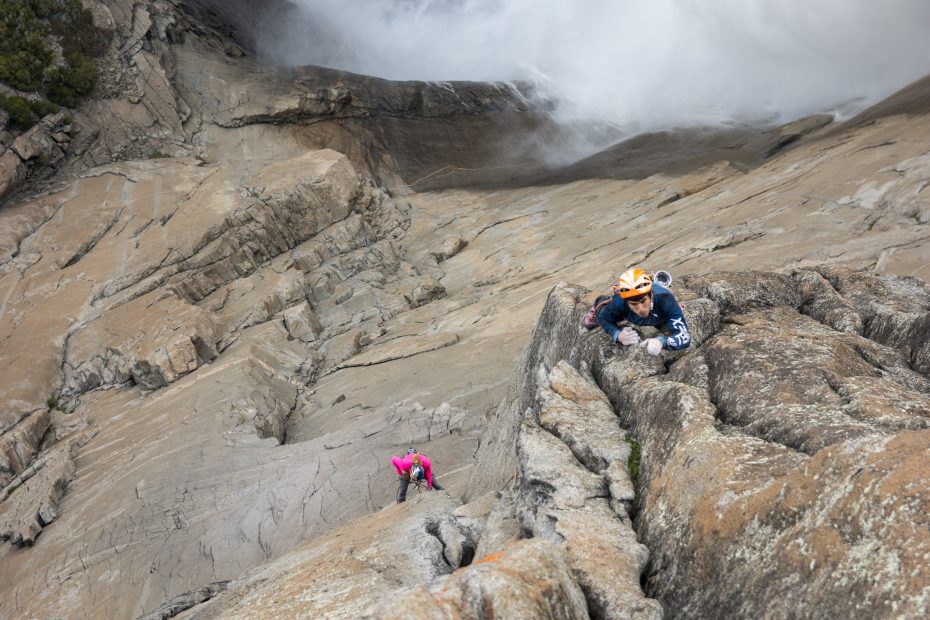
{"x": 92, "y": 242}
{"x": 576, "y": 411}
{"x": 432, "y": 528}
{"x": 580, "y": 512}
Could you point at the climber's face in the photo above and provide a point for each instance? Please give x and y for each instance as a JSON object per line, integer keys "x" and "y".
{"x": 640, "y": 305}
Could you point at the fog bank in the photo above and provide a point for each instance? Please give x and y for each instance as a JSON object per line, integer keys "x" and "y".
{"x": 634, "y": 65}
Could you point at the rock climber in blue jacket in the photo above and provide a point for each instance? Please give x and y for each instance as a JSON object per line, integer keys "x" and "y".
{"x": 640, "y": 301}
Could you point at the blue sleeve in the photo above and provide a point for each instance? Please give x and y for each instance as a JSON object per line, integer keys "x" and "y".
{"x": 609, "y": 316}
{"x": 678, "y": 335}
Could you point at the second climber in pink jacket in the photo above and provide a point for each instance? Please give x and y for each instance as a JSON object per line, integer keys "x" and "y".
{"x": 413, "y": 467}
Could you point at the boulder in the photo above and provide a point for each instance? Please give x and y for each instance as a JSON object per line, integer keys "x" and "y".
{"x": 427, "y": 290}
{"x": 37, "y": 144}
{"x": 301, "y": 323}
{"x": 526, "y": 579}
{"x": 894, "y": 310}
{"x": 449, "y": 248}
{"x": 741, "y": 291}
{"x": 12, "y": 172}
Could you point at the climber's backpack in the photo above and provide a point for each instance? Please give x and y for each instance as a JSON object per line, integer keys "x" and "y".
{"x": 589, "y": 321}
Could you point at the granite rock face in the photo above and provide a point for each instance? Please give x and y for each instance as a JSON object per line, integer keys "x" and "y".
{"x": 434, "y": 558}
{"x": 802, "y": 506}
{"x": 782, "y": 451}
{"x": 238, "y": 299}
{"x": 185, "y": 334}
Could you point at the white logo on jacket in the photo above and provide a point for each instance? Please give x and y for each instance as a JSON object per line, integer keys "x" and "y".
{"x": 683, "y": 337}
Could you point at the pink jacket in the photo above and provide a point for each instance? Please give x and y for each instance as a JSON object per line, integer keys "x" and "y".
{"x": 403, "y": 465}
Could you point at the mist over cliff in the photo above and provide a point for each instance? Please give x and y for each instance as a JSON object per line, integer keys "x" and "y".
{"x": 635, "y": 66}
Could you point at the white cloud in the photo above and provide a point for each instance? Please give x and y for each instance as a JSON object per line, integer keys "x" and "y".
{"x": 637, "y": 65}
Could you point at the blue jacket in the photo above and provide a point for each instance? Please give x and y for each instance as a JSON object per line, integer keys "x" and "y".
{"x": 665, "y": 312}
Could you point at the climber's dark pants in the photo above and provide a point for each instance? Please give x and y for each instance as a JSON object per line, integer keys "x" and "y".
{"x": 405, "y": 481}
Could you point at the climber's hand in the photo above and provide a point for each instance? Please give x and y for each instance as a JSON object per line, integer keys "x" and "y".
{"x": 653, "y": 346}
{"x": 628, "y": 336}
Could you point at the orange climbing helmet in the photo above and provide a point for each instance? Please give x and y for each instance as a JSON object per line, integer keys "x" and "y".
{"x": 633, "y": 283}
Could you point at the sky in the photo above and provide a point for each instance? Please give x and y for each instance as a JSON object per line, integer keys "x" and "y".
{"x": 635, "y": 65}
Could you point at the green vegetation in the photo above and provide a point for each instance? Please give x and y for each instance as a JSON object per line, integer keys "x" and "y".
{"x": 54, "y": 402}
{"x": 25, "y": 113}
{"x": 27, "y": 55}
{"x": 76, "y": 80}
{"x": 633, "y": 461}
